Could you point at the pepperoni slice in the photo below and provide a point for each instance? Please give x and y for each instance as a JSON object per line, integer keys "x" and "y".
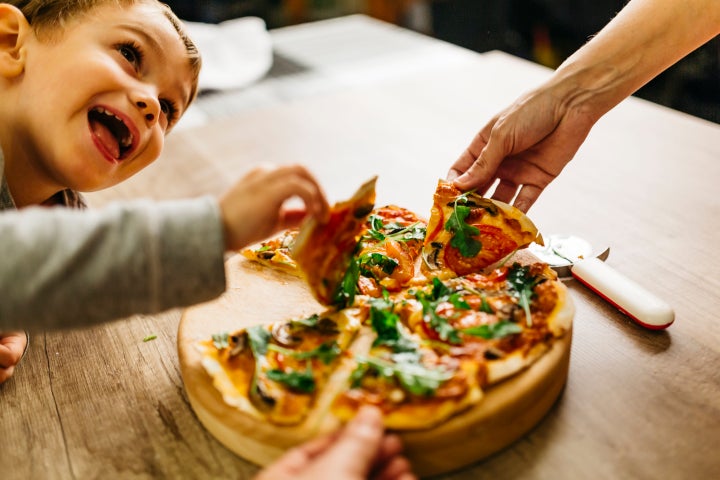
{"x": 495, "y": 246}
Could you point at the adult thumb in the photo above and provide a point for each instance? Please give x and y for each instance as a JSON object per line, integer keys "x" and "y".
{"x": 357, "y": 446}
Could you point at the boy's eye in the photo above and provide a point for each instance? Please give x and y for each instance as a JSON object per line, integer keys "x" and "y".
{"x": 131, "y": 53}
{"x": 168, "y": 109}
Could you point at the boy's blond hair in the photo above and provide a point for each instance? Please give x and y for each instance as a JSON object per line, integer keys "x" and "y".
{"x": 46, "y": 16}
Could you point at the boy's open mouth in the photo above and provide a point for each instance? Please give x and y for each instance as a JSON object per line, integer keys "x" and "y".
{"x": 111, "y": 131}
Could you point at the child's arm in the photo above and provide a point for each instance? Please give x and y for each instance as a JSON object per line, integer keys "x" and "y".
{"x": 62, "y": 267}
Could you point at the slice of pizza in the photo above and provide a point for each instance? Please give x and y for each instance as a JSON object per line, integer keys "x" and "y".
{"x": 468, "y": 233}
{"x": 275, "y": 252}
{"x": 276, "y": 372}
{"x": 504, "y": 321}
{"x": 324, "y": 251}
{"x": 389, "y": 250}
{"x": 413, "y": 385}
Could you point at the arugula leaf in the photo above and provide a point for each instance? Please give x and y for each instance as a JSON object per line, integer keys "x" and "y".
{"x": 416, "y": 231}
{"x": 345, "y": 294}
{"x": 303, "y": 382}
{"x": 394, "y": 231}
{"x": 308, "y": 322}
{"x": 440, "y": 293}
{"x": 522, "y": 284}
{"x": 375, "y": 259}
{"x": 495, "y": 330}
{"x": 412, "y": 376}
{"x": 463, "y": 233}
{"x": 458, "y": 302}
{"x": 326, "y": 352}
{"x": 220, "y": 340}
{"x": 485, "y": 306}
{"x": 376, "y": 225}
{"x": 386, "y": 324}
{"x": 259, "y": 338}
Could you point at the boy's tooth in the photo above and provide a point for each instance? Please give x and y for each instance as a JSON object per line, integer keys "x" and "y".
{"x": 126, "y": 141}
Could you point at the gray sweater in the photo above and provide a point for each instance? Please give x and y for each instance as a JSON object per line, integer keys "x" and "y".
{"x": 63, "y": 267}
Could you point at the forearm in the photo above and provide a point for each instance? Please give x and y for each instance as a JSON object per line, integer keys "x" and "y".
{"x": 644, "y": 39}
{"x": 64, "y": 268}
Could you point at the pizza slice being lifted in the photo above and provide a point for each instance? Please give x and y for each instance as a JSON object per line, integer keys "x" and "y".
{"x": 324, "y": 251}
{"x": 468, "y": 233}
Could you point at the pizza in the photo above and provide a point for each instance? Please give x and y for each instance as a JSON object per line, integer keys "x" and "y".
{"x": 432, "y": 343}
{"x": 275, "y": 371}
{"x": 323, "y": 251}
{"x": 421, "y": 357}
{"x": 275, "y": 252}
{"x": 503, "y": 320}
{"x": 384, "y": 256}
{"x": 468, "y": 233}
{"x": 415, "y": 385}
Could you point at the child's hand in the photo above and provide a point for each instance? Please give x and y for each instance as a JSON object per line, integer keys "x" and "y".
{"x": 254, "y": 209}
{"x": 12, "y": 347}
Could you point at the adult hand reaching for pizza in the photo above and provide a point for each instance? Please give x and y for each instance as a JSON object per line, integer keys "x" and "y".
{"x": 255, "y": 207}
{"x": 527, "y": 144}
{"x": 359, "y": 451}
{"x": 524, "y": 147}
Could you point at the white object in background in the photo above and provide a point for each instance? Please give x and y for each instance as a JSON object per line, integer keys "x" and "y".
{"x": 236, "y": 53}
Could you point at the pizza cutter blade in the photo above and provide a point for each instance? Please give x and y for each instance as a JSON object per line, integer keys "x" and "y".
{"x": 572, "y": 256}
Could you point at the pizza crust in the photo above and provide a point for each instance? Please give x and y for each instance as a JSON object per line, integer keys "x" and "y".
{"x": 505, "y": 413}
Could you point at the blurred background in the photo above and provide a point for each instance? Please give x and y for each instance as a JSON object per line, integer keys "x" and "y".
{"x": 543, "y": 31}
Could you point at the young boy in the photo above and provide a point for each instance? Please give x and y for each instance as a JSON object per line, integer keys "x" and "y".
{"x": 88, "y": 91}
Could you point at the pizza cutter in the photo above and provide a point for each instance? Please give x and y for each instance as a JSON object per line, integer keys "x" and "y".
{"x": 571, "y": 256}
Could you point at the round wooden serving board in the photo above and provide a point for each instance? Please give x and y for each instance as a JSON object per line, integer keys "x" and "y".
{"x": 256, "y": 294}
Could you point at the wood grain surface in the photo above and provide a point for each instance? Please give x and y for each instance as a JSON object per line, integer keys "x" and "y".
{"x": 102, "y": 403}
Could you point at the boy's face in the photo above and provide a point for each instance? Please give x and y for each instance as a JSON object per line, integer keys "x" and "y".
{"x": 97, "y": 101}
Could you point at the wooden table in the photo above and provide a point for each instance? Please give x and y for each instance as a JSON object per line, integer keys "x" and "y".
{"x": 363, "y": 98}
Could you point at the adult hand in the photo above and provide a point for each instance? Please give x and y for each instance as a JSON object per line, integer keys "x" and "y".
{"x": 12, "y": 347}
{"x": 525, "y": 147}
{"x": 255, "y": 207}
{"x": 357, "y": 452}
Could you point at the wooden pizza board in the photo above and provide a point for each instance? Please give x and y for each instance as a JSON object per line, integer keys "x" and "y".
{"x": 256, "y": 294}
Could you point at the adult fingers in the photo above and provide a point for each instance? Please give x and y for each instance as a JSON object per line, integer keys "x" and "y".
{"x": 505, "y": 191}
{"x": 397, "y": 468}
{"x": 358, "y": 444}
{"x": 391, "y": 446}
{"x": 390, "y": 464}
{"x": 526, "y": 197}
{"x": 471, "y": 153}
{"x": 481, "y": 173}
{"x": 297, "y": 459}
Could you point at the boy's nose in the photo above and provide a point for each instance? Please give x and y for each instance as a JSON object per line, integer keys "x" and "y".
{"x": 149, "y": 115}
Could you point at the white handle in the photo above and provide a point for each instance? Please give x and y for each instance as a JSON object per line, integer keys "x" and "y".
{"x": 642, "y": 306}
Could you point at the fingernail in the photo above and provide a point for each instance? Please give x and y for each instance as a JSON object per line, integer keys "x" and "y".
{"x": 460, "y": 181}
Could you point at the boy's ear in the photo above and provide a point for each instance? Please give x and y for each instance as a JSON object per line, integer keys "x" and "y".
{"x": 14, "y": 28}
